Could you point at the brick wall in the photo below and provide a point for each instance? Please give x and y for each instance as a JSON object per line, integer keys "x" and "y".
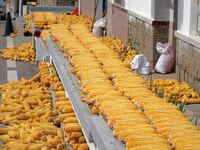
{"x": 188, "y": 63}
{"x": 144, "y": 37}
{"x": 87, "y": 8}
{"x": 117, "y": 22}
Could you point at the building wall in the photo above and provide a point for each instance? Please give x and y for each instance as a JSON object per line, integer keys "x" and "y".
{"x": 109, "y": 17}
{"x": 160, "y": 10}
{"x": 188, "y": 51}
{"x": 144, "y": 37}
{"x": 117, "y": 22}
{"x": 187, "y": 16}
{"x": 135, "y": 23}
{"x": 87, "y": 8}
{"x": 142, "y": 7}
{"x": 152, "y": 9}
{"x": 188, "y": 63}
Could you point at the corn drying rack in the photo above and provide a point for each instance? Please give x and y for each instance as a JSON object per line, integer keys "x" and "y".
{"x": 98, "y": 134}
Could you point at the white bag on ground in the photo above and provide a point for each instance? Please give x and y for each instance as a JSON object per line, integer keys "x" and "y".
{"x": 166, "y": 60}
{"x": 98, "y": 27}
{"x": 141, "y": 64}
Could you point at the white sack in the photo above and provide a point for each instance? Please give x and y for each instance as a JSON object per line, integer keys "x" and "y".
{"x": 166, "y": 60}
{"x": 98, "y": 27}
{"x": 141, "y": 64}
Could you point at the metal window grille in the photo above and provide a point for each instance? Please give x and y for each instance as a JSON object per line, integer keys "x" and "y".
{"x": 65, "y": 2}
{"x": 57, "y": 2}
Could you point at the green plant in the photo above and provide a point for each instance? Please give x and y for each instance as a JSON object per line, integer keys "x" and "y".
{"x": 182, "y": 107}
{"x": 161, "y": 93}
{"x": 174, "y": 100}
{"x": 155, "y": 91}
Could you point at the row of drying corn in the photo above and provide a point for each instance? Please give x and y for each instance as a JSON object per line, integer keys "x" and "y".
{"x": 109, "y": 85}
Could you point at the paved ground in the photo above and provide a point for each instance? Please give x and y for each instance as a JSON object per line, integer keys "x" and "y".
{"x": 164, "y": 76}
{"x": 2, "y": 63}
{"x": 2, "y": 38}
{"x": 3, "y": 44}
{"x": 20, "y": 37}
{"x": 193, "y": 112}
{"x": 11, "y": 70}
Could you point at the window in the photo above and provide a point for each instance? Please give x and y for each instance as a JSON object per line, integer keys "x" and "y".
{"x": 120, "y": 2}
{"x": 189, "y": 17}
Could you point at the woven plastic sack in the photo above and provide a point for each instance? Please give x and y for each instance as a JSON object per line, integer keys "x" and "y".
{"x": 141, "y": 64}
{"x": 98, "y": 27}
{"x": 166, "y": 60}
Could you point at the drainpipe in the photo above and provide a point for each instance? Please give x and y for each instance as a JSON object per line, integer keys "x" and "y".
{"x": 173, "y": 21}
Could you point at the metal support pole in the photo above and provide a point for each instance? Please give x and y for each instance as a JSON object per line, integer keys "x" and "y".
{"x": 20, "y": 8}
{"x": 79, "y": 7}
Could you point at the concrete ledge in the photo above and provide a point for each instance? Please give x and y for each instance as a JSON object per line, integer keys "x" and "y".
{"x": 193, "y": 40}
{"x": 145, "y": 19}
{"x": 148, "y": 20}
{"x": 120, "y": 8}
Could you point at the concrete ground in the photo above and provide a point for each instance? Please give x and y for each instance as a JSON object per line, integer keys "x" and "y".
{"x": 164, "y": 76}
{"x": 2, "y": 38}
{"x": 11, "y": 70}
{"x": 20, "y": 37}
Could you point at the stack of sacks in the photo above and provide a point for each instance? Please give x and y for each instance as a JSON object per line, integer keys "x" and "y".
{"x": 39, "y": 19}
{"x": 50, "y": 18}
{"x": 28, "y": 23}
{"x": 72, "y": 19}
